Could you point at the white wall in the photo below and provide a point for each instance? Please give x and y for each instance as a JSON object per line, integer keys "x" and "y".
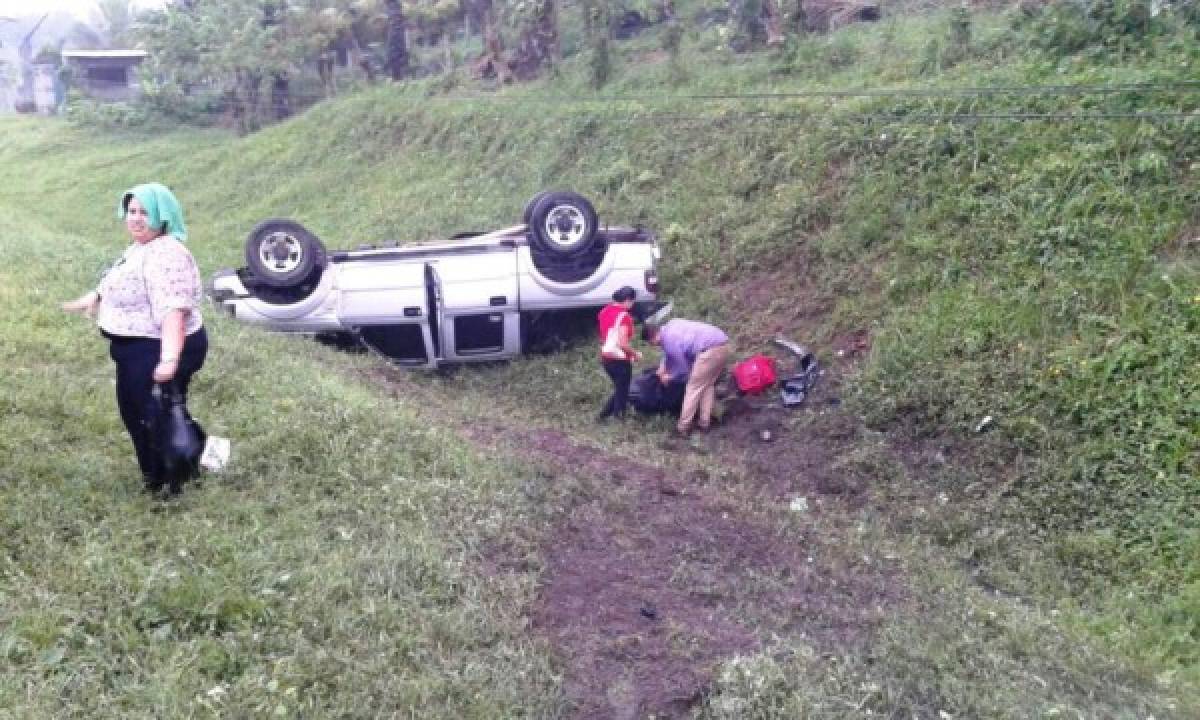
{"x": 6, "y": 98}
{"x": 8, "y": 79}
{"x": 43, "y": 89}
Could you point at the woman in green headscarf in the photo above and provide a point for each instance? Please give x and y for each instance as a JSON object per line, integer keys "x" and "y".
{"x": 148, "y": 306}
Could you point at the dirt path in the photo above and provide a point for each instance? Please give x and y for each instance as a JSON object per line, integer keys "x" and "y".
{"x": 660, "y": 573}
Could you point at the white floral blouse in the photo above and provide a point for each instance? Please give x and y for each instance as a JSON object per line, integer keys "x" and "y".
{"x": 149, "y": 281}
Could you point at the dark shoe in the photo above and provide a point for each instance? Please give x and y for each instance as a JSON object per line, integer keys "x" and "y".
{"x": 683, "y": 433}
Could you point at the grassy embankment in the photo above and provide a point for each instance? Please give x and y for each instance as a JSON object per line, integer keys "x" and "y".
{"x": 1043, "y": 273}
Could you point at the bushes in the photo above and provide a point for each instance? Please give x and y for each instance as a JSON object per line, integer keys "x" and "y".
{"x": 1066, "y": 27}
{"x": 160, "y": 107}
{"x": 1050, "y": 301}
{"x": 85, "y": 111}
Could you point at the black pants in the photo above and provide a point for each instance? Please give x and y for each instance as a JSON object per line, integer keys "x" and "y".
{"x": 620, "y": 372}
{"x": 136, "y": 358}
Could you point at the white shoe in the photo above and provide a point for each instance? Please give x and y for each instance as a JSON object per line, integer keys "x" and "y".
{"x": 216, "y": 453}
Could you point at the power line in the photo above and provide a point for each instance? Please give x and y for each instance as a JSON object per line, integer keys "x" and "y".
{"x": 696, "y": 120}
{"x": 798, "y": 118}
{"x": 636, "y": 116}
{"x": 1179, "y": 87}
{"x": 935, "y": 117}
{"x": 1183, "y": 87}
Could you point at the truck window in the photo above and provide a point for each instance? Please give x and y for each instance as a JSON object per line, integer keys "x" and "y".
{"x": 403, "y": 343}
{"x": 479, "y": 334}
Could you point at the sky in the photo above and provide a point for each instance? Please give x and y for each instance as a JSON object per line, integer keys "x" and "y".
{"x": 81, "y": 9}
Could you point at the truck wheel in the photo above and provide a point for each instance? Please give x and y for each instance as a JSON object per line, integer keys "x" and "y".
{"x": 573, "y": 269}
{"x": 527, "y": 216}
{"x": 564, "y": 224}
{"x": 283, "y": 253}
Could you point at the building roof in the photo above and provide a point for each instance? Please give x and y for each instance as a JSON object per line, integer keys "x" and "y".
{"x": 106, "y": 54}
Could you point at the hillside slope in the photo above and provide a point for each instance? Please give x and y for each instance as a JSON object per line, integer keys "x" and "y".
{"x": 1024, "y": 256}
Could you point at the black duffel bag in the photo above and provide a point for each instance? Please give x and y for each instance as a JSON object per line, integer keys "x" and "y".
{"x": 649, "y": 396}
{"x": 177, "y": 439}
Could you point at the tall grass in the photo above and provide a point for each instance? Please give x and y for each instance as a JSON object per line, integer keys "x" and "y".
{"x": 325, "y": 573}
{"x": 1042, "y": 273}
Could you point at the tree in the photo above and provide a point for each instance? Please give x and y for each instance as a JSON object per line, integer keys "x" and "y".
{"x": 115, "y": 19}
{"x": 83, "y": 35}
{"x": 772, "y": 20}
{"x": 754, "y": 21}
{"x": 492, "y": 62}
{"x": 351, "y": 36}
{"x": 397, "y": 42}
{"x": 230, "y": 48}
{"x": 795, "y": 17}
{"x": 597, "y": 27}
{"x": 537, "y": 46}
{"x": 281, "y": 100}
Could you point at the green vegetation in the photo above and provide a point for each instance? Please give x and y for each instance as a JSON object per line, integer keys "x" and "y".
{"x": 328, "y": 573}
{"x": 1041, "y": 272}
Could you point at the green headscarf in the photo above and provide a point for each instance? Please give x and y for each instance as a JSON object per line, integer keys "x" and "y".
{"x": 162, "y": 209}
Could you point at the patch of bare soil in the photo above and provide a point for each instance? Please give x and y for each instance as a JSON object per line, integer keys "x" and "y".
{"x": 666, "y": 568}
{"x": 786, "y": 297}
{"x": 793, "y": 452}
{"x": 649, "y": 589}
{"x": 778, "y": 300}
{"x": 658, "y": 574}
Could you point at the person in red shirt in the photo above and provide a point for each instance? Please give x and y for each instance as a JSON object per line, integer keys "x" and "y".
{"x": 616, "y": 353}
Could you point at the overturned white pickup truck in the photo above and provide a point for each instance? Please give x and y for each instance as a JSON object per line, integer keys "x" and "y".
{"x": 476, "y": 297}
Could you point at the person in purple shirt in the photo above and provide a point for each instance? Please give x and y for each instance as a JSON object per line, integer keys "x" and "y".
{"x": 698, "y": 350}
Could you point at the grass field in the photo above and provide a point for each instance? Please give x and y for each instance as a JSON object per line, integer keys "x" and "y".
{"x": 387, "y": 545}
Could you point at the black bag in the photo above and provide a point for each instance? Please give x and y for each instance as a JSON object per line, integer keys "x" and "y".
{"x": 177, "y": 439}
{"x": 649, "y": 396}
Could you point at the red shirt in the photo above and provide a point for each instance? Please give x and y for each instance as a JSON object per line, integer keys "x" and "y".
{"x": 606, "y": 320}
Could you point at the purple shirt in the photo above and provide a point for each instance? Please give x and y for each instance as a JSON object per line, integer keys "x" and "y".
{"x": 683, "y": 340}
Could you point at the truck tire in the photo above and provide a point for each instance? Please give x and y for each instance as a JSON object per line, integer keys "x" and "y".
{"x": 563, "y": 225}
{"x": 283, "y": 253}
{"x": 527, "y": 216}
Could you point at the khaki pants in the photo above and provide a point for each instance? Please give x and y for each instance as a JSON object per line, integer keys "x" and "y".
{"x": 701, "y": 391}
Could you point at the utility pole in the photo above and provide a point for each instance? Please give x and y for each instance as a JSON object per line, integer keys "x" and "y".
{"x": 5, "y": 99}
{"x": 25, "y": 51}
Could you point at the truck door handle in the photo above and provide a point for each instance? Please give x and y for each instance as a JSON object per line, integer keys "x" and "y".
{"x": 412, "y": 311}
{"x": 499, "y": 300}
